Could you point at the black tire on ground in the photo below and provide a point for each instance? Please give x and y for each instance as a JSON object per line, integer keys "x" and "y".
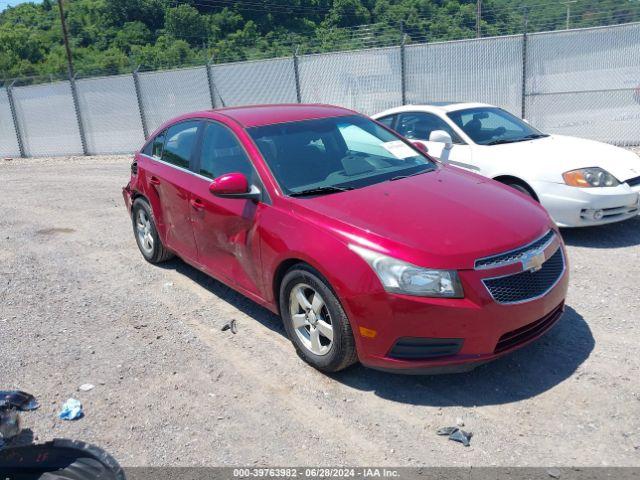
{"x": 158, "y": 252}
{"x": 342, "y": 353}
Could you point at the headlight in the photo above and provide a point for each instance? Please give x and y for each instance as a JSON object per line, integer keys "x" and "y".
{"x": 402, "y": 277}
{"x": 590, "y": 177}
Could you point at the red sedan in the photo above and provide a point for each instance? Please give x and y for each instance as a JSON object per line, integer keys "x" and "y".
{"x": 369, "y": 249}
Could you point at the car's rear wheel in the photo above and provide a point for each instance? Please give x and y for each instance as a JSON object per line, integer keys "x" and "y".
{"x": 144, "y": 229}
{"x": 315, "y": 321}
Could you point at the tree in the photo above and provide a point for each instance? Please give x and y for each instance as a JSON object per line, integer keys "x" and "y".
{"x": 114, "y": 34}
{"x": 185, "y": 22}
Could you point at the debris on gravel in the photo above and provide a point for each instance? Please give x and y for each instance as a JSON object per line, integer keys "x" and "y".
{"x": 230, "y": 326}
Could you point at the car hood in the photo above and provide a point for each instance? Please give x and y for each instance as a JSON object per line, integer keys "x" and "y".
{"x": 557, "y": 154}
{"x": 441, "y": 219}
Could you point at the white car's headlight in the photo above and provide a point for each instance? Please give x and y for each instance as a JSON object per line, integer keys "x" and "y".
{"x": 402, "y": 277}
{"x": 590, "y": 177}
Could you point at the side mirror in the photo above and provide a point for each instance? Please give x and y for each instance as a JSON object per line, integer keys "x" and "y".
{"x": 234, "y": 185}
{"x": 420, "y": 146}
{"x": 441, "y": 136}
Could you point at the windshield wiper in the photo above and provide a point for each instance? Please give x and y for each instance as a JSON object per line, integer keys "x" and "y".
{"x": 500, "y": 141}
{"x": 400, "y": 177}
{"x": 319, "y": 191}
{"x": 532, "y": 136}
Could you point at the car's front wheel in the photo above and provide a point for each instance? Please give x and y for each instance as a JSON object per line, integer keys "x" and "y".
{"x": 521, "y": 188}
{"x": 315, "y": 321}
{"x": 147, "y": 238}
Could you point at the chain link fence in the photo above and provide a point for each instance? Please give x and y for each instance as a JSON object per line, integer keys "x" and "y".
{"x": 367, "y": 81}
{"x": 110, "y": 114}
{"x": 586, "y": 83}
{"x": 583, "y": 82}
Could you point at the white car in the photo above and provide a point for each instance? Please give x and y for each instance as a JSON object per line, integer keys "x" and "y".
{"x": 580, "y": 182}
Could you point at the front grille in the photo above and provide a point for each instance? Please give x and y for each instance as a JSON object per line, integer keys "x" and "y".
{"x": 528, "y": 285}
{"x": 526, "y": 333}
{"x": 632, "y": 182}
{"x": 514, "y": 256}
{"x": 415, "y": 348}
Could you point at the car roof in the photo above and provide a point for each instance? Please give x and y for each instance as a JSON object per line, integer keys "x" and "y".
{"x": 259, "y": 115}
{"x": 444, "y": 107}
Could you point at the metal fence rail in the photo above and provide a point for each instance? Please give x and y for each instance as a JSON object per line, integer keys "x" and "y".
{"x": 583, "y": 82}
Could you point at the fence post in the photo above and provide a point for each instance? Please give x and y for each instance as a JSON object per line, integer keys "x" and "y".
{"x": 403, "y": 66}
{"x": 14, "y": 117}
{"x": 211, "y": 85}
{"x": 296, "y": 72}
{"x": 523, "y": 110}
{"x": 136, "y": 84}
{"x": 76, "y": 107}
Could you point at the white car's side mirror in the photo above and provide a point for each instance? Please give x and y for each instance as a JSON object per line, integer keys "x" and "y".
{"x": 441, "y": 136}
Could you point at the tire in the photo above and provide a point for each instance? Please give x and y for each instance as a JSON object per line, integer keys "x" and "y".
{"x": 521, "y": 188}
{"x": 340, "y": 353}
{"x": 152, "y": 249}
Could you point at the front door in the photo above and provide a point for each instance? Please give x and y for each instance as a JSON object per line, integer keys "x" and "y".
{"x": 225, "y": 229}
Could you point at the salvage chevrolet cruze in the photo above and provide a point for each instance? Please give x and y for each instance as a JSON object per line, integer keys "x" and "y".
{"x": 369, "y": 249}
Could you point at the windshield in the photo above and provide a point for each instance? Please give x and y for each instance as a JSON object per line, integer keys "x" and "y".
{"x": 493, "y": 126}
{"x": 335, "y": 154}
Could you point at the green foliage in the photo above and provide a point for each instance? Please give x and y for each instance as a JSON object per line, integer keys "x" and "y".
{"x": 185, "y": 22}
{"x": 112, "y": 36}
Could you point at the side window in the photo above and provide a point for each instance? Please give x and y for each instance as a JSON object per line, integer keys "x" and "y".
{"x": 158, "y": 145}
{"x": 387, "y": 121}
{"x": 419, "y": 125}
{"x": 180, "y": 141}
{"x": 222, "y": 153}
{"x": 155, "y": 146}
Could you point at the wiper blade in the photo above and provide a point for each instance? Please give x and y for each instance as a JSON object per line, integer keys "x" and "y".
{"x": 319, "y": 191}
{"x": 400, "y": 177}
{"x": 533, "y": 136}
{"x": 504, "y": 140}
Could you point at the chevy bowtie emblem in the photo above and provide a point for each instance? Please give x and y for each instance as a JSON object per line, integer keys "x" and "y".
{"x": 533, "y": 261}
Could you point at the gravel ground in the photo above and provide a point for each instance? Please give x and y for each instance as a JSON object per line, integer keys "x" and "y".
{"x": 78, "y": 304}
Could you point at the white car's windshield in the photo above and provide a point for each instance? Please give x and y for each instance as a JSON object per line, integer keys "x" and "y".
{"x": 328, "y": 155}
{"x": 493, "y": 126}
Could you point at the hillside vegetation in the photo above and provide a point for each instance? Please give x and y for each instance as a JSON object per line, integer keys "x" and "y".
{"x": 110, "y": 36}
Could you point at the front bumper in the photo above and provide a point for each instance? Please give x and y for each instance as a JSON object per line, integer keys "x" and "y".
{"x": 483, "y": 328}
{"x": 574, "y": 207}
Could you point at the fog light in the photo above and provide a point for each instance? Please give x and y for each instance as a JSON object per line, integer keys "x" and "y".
{"x": 593, "y": 214}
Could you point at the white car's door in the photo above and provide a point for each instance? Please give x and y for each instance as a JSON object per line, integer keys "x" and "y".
{"x": 417, "y": 126}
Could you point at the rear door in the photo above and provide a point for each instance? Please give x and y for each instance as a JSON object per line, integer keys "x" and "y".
{"x": 170, "y": 181}
{"x": 225, "y": 229}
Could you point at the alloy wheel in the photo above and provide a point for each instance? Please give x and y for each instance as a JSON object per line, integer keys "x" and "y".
{"x": 143, "y": 227}
{"x": 311, "y": 319}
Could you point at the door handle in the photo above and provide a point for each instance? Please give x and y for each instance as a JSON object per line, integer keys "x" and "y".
{"x": 154, "y": 180}
{"x": 197, "y": 204}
